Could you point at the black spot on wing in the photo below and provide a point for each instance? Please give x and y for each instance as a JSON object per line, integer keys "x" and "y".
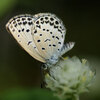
{"x": 38, "y": 26}
{"x": 24, "y": 23}
{"x": 51, "y": 24}
{"x": 54, "y": 45}
{"x": 22, "y": 29}
{"x": 23, "y": 19}
{"x": 15, "y": 25}
{"x": 40, "y": 34}
{"x": 18, "y": 20}
{"x": 46, "y": 18}
{"x": 29, "y": 42}
{"x": 41, "y": 19}
{"x": 56, "y": 22}
{"x": 18, "y": 35}
{"x": 37, "y": 22}
{"x": 20, "y": 17}
{"x": 62, "y": 36}
{"x": 59, "y": 42}
{"x": 46, "y": 22}
{"x": 57, "y": 37}
{"x": 19, "y": 31}
{"x": 51, "y": 19}
{"x": 43, "y": 48}
{"x": 55, "y": 26}
{"x": 53, "y": 36}
{"x": 14, "y": 18}
{"x": 14, "y": 22}
{"x": 35, "y": 31}
{"x": 49, "y": 45}
{"x": 19, "y": 23}
{"x": 38, "y": 40}
{"x": 50, "y": 32}
{"x": 27, "y": 30}
{"x": 59, "y": 30}
{"x": 47, "y": 30}
{"x": 29, "y": 18}
{"x": 42, "y": 22}
{"x": 43, "y": 29}
{"x": 30, "y": 23}
{"x": 47, "y": 40}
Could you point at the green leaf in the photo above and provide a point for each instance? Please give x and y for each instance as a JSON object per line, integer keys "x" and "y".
{"x": 5, "y": 5}
{"x": 27, "y": 94}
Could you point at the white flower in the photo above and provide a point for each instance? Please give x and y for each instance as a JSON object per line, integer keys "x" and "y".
{"x": 69, "y": 77}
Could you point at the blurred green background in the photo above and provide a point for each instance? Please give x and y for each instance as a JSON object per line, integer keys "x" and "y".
{"x": 20, "y": 76}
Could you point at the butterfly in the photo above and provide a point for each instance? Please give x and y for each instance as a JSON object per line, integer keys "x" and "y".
{"x": 41, "y": 35}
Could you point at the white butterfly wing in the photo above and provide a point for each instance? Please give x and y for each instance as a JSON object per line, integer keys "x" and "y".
{"x": 48, "y": 35}
{"x": 66, "y": 47}
{"x": 20, "y": 27}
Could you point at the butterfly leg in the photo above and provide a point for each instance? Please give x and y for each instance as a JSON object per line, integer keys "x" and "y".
{"x": 43, "y": 69}
{"x": 62, "y": 58}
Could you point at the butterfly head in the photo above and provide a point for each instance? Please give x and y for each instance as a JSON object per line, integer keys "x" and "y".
{"x": 53, "y": 60}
